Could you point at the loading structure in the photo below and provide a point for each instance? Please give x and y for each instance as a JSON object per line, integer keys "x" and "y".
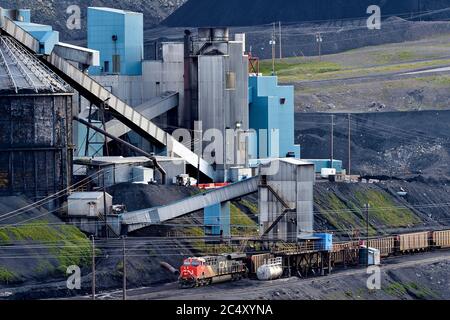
{"x": 101, "y": 97}
{"x": 285, "y": 192}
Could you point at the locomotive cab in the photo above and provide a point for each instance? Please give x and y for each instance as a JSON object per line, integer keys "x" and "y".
{"x": 204, "y": 271}
{"x": 192, "y": 271}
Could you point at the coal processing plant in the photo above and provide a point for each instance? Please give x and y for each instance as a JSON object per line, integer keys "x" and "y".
{"x": 80, "y": 121}
{"x": 104, "y": 147}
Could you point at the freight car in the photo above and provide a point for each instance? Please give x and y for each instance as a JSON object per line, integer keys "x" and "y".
{"x": 196, "y": 272}
{"x": 345, "y": 253}
{"x": 441, "y": 239}
{"x": 385, "y": 245}
{"x": 412, "y": 242}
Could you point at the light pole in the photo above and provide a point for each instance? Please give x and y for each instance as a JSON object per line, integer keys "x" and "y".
{"x": 319, "y": 41}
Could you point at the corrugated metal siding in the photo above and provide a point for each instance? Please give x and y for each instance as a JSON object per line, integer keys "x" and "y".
{"x": 413, "y": 241}
{"x": 385, "y": 245}
{"x": 442, "y": 238}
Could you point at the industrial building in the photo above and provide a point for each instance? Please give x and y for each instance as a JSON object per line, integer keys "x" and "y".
{"x": 119, "y": 36}
{"x": 272, "y": 110}
{"x": 35, "y": 127}
{"x": 130, "y": 113}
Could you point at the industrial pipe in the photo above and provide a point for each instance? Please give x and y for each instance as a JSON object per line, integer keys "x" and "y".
{"x": 169, "y": 268}
{"x": 129, "y": 145}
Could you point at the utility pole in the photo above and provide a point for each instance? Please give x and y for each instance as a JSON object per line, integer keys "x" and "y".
{"x": 105, "y": 214}
{"x": 349, "y": 145}
{"x": 93, "y": 267}
{"x": 124, "y": 262}
{"x": 332, "y": 142}
{"x": 198, "y": 172}
{"x": 273, "y": 42}
{"x": 319, "y": 41}
{"x": 281, "y": 48}
{"x": 366, "y": 208}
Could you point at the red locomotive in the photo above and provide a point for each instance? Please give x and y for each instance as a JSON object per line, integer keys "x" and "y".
{"x": 203, "y": 271}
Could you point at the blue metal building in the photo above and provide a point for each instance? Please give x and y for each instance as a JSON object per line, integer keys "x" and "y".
{"x": 119, "y": 36}
{"x": 272, "y": 108}
{"x": 45, "y": 34}
{"x": 217, "y": 220}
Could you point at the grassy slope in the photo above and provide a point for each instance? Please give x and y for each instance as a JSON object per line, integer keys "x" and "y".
{"x": 364, "y": 61}
{"x": 60, "y": 246}
{"x": 340, "y": 209}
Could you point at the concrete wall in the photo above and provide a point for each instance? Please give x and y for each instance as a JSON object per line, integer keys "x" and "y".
{"x": 103, "y": 24}
{"x": 267, "y": 112}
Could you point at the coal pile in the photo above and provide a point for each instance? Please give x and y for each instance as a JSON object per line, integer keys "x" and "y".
{"x": 201, "y": 13}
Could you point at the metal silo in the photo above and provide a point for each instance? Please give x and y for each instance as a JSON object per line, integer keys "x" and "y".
{"x": 35, "y": 125}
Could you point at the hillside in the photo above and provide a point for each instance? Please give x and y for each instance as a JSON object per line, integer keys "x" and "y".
{"x": 54, "y": 12}
{"x": 398, "y": 144}
{"x": 245, "y": 13}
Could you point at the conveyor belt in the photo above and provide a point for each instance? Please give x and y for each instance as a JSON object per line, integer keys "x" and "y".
{"x": 143, "y": 218}
{"x": 150, "y": 109}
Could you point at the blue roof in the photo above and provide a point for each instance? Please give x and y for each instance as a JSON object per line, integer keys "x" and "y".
{"x": 119, "y": 11}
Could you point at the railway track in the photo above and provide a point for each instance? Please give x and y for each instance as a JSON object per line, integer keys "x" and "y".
{"x": 250, "y": 289}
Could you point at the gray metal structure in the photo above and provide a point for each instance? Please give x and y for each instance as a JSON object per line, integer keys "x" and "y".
{"x": 151, "y": 109}
{"x": 84, "y": 56}
{"x": 35, "y": 125}
{"x": 144, "y": 218}
{"x": 97, "y": 94}
{"x": 216, "y": 88}
{"x": 286, "y": 197}
{"x": 285, "y": 188}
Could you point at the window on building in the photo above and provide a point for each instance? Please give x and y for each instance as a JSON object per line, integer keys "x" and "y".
{"x": 282, "y": 101}
{"x": 231, "y": 81}
{"x": 106, "y": 67}
{"x": 116, "y": 63}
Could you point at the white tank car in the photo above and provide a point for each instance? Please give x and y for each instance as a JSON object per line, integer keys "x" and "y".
{"x": 272, "y": 270}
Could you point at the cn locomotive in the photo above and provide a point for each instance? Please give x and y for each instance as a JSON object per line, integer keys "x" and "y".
{"x": 203, "y": 271}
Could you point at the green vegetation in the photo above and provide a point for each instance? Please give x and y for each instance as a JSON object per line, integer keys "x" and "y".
{"x": 386, "y": 57}
{"x": 348, "y": 214}
{"x": 399, "y": 290}
{"x": 442, "y": 80}
{"x": 44, "y": 267}
{"x": 301, "y": 69}
{"x": 4, "y": 237}
{"x": 395, "y": 289}
{"x": 299, "y": 66}
{"x": 385, "y": 211}
{"x": 251, "y": 206}
{"x": 66, "y": 243}
{"x": 340, "y": 215}
{"x": 6, "y": 276}
{"x": 200, "y": 246}
{"x": 241, "y": 224}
